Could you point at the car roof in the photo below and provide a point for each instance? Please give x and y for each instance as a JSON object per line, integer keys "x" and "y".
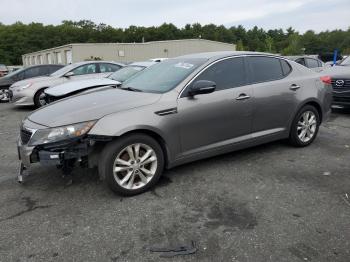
{"x": 44, "y": 65}
{"x": 143, "y": 63}
{"x": 96, "y": 61}
{"x": 295, "y": 57}
{"x": 223, "y": 54}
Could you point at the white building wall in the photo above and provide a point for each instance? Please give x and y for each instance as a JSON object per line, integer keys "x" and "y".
{"x": 127, "y": 52}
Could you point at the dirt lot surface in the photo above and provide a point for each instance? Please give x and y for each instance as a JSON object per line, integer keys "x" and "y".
{"x": 268, "y": 203}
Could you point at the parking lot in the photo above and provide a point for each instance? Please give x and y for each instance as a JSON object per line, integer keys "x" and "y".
{"x": 268, "y": 203}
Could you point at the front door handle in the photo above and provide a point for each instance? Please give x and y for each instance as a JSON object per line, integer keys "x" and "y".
{"x": 294, "y": 87}
{"x": 242, "y": 97}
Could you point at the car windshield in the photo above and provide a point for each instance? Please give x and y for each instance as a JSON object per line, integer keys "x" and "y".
{"x": 126, "y": 72}
{"x": 64, "y": 70}
{"x": 163, "y": 77}
{"x": 346, "y": 62}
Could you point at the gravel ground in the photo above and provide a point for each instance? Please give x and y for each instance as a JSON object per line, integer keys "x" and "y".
{"x": 268, "y": 203}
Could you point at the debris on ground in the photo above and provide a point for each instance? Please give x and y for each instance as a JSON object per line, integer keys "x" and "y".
{"x": 346, "y": 198}
{"x": 327, "y": 173}
{"x": 175, "y": 250}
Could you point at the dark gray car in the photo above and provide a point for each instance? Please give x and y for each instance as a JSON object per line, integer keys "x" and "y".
{"x": 339, "y": 77}
{"x": 22, "y": 74}
{"x": 180, "y": 110}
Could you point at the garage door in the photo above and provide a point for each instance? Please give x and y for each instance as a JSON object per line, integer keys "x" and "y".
{"x": 68, "y": 56}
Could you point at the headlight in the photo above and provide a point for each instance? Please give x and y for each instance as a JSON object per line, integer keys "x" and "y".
{"x": 49, "y": 135}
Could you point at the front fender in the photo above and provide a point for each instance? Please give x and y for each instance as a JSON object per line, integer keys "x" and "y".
{"x": 143, "y": 119}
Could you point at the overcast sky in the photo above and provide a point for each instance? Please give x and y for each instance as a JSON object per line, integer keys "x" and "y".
{"x": 318, "y": 15}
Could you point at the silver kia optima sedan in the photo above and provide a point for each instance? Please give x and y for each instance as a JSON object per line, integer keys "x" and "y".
{"x": 181, "y": 110}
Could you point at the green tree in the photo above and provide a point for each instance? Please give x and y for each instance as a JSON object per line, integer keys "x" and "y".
{"x": 19, "y": 38}
{"x": 294, "y": 45}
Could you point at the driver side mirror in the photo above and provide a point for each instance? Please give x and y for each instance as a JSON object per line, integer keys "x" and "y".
{"x": 202, "y": 87}
{"x": 69, "y": 74}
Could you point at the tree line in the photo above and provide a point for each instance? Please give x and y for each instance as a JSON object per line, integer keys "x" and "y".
{"x": 19, "y": 38}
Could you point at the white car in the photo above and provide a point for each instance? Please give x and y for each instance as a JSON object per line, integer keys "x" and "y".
{"x": 31, "y": 92}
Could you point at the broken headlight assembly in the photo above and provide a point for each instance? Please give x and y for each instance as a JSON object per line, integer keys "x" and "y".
{"x": 56, "y": 134}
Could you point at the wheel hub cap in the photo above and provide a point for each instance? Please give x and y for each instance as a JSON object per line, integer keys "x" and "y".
{"x": 135, "y": 166}
{"x": 307, "y": 125}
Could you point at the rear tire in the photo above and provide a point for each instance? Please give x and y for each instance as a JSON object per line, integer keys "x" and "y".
{"x": 131, "y": 164}
{"x": 304, "y": 127}
{"x": 39, "y": 98}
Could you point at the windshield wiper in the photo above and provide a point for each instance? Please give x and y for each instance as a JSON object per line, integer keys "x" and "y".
{"x": 129, "y": 88}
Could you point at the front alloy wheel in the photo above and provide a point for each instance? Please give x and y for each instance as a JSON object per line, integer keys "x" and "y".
{"x": 135, "y": 166}
{"x": 131, "y": 164}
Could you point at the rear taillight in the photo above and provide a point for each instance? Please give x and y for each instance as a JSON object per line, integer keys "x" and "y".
{"x": 326, "y": 80}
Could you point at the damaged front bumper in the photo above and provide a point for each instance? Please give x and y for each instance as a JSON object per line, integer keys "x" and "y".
{"x": 55, "y": 154}
{"x": 65, "y": 154}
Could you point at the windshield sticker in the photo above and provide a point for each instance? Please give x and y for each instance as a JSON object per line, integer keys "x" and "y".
{"x": 184, "y": 65}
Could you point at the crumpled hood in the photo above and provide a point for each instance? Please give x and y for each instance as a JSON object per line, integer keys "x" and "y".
{"x": 78, "y": 85}
{"x": 90, "y": 106}
{"x": 33, "y": 80}
{"x": 336, "y": 71}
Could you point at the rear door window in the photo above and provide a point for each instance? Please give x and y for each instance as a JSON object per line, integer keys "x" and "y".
{"x": 43, "y": 70}
{"x": 53, "y": 69}
{"x": 301, "y": 61}
{"x": 32, "y": 72}
{"x": 264, "y": 69}
{"x": 107, "y": 67}
{"x": 85, "y": 69}
{"x": 226, "y": 74}
{"x": 286, "y": 68}
{"x": 312, "y": 63}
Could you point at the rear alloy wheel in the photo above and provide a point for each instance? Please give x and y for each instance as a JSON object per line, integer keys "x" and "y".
{"x": 305, "y": 127}
{"x": 39, "y": 98}
{"x": 133, "y": 164}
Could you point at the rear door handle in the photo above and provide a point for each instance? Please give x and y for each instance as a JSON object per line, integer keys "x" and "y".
{"x": 294, "y": 87}
{"x": 242, "y": 97}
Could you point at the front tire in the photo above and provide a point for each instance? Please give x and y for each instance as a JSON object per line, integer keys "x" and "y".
{"x": 39, "y": 98}
{"x": 132, "y": 164}
{"x": 4, "y": 95}
{"x": 305, "y": 126}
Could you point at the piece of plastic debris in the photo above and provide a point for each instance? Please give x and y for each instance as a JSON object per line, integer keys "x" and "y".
{"x": 347, "y": 146}
{"x": 345, "y": 197}
{"x": 175, "y": 251}
{"x": 327, "y": 173}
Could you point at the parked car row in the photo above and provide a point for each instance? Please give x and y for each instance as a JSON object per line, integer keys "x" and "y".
{"x": 22, "y": 74}
{"x": 132, "y": 126}
{"x": 31, "y": 91}
{"x": 339, "y": 76}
